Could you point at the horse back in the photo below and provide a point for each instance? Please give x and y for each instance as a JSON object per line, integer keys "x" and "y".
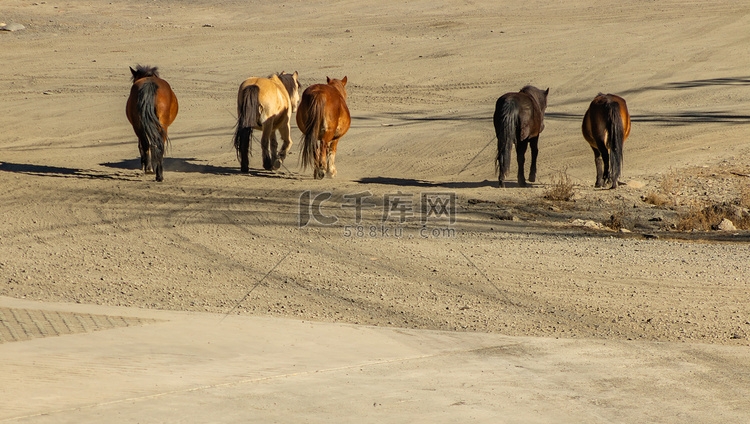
{"x": 165, "y": 102}
{"x": 530, "y": 116}
{"x": 337, "y": 118}
{"x": 272, "y": 96}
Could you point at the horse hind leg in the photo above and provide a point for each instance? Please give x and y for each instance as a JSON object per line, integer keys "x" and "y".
{"x": 275, "y": 160}
{"x": 321, "y": 162}
{"x": 331, "y": 168}
{"x": 520, "y": 156}
{"x": 265, "y": 140}
{"x": 146, "y": 159}
{"x": 604, "y": 152}
{"x": 599, "y": 168}
{"x": 285, "y": 133}
{"x": 534, "y": 142}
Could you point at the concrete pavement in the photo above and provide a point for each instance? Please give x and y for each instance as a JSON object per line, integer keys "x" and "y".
{"x": 147, "y": 366}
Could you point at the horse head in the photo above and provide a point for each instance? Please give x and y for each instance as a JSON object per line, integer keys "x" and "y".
{"x": 338, "y": 84}
{"x": 291, "y": 82}
{"x": 144, "y": 71}
{"x": 539, "y": 96}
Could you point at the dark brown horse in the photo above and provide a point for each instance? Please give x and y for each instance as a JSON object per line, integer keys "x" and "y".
{"x": 323, "y": 116}
{"x": 518, "y": 119}
{"x": 606, "y": 126}
{"x": 266, "y": 104}
{"x": 151, "y": 108}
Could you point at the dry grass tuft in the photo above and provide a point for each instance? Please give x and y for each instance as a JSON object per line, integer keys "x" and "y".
{"x": 656, "y": 199}
{"x": 708, "y": 217}
{"x": 616, "y": 221}
{"x": 744, "y": 199}
{"x": 669, "y": 183}
{"x": 561, "y": 188}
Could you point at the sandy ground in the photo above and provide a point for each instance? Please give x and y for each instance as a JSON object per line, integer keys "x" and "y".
{"x": 81, "y": 223}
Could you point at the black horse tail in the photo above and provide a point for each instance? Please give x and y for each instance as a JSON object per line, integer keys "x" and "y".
{"x": 616, "y": 135}
{"x": 151, "y": 128}
{"x": 248, "y": 109}
{"x": 506, "y": 130}
{"x": 313, "y": 124}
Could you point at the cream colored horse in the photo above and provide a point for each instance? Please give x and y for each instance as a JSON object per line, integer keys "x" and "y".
{"x": 266, "y": 104}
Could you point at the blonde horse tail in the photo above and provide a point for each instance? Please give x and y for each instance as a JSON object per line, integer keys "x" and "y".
{"x": 248, "y": 105}
{"x": 313, "y": 125}
{"x": 151, "y": 128}
{"x": 616, "y": 135}
{"x": 506, "y": 129}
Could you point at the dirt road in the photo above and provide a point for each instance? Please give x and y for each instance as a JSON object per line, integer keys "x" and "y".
{"x": 81, "y": 223}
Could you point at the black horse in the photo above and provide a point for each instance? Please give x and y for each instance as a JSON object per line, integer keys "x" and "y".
{"x": 519, "y": 118}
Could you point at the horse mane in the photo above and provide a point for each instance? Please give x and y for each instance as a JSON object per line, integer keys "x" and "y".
{"x": 539, "y": 96}
{"x": 288, "y": 81}
{"x": 141, "y": 71}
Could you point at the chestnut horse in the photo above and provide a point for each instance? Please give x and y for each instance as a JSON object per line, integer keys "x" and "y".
{"x": 606, "y": 126}
{"x": 323, "y": 116}
{"x": 266, "y": 104}
{"x": 518, "y": 119}
{"x": 151, "y": 109}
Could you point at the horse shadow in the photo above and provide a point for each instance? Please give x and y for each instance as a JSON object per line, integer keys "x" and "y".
{"x": 411, "y": 182}
{"x": 193, "y": 165}
{"x": 56, "y": 171}
{"x": 175, "y": 165}
{"x": 668, "y": 119}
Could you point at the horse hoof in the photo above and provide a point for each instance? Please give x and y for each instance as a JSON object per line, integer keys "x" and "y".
{"x": 276, "y": 165}
{"x": 501, "y": 185}
{"x": 319, "y": 174}
{"x": 267, "y": 164}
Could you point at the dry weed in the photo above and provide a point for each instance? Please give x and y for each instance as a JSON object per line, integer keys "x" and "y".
{"x": 744, "y": 199}
{"x": 669, "y": 183}
{"x": 708, "y": 217}
{"x": 696, "y": 218}
{"x": 561, "y": 187}
{"x": 616, "y": 221}
{"x": 656, "y": 199}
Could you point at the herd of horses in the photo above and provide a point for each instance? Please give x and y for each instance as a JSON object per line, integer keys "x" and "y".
{"x": 267, "y": 104}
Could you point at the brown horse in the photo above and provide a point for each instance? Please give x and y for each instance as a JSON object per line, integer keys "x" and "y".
{"x": 606, "y": 126}
{"x": 266, "y": 104}
{"x": 151, "y": 108}
{"x": 323, "y": 116}
{"x": 518, "y": 119}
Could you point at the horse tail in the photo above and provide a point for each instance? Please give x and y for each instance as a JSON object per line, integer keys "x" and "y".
{"x": 313, "y": 124}
{"x": 248, "y": 108}
{"x": 151, "y": 128}
{"x": 616, "y": 135}
{"x": 506, "y": 130}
